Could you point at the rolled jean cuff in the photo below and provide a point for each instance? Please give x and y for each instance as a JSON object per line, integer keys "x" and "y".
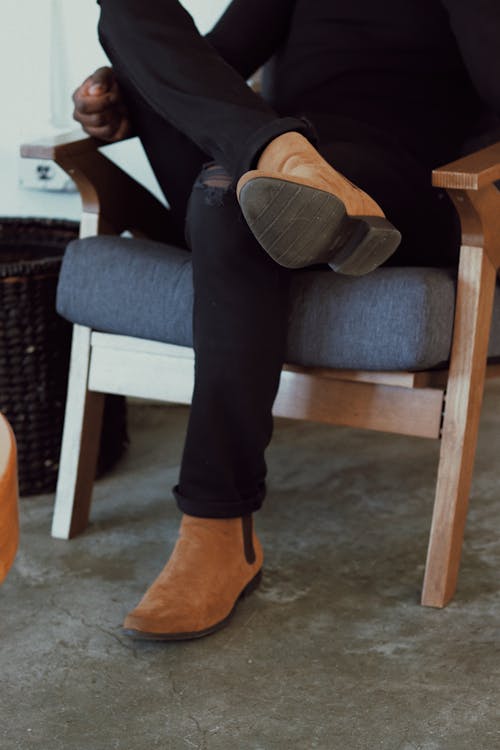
{"x": 218, "y": 509}
{"x": 261, "y": 137}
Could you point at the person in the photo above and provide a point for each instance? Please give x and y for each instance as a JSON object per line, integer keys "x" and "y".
{"x": 359, "y": 102}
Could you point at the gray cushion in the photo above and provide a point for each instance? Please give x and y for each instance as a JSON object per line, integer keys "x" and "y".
{"x": 392, "y": 319}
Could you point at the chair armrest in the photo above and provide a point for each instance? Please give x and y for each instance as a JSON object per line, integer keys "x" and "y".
{"x": 60, "y": 146}
{"x": 470, "y": 172}
{"x": 112, "y": 201}
{"x": 470, "y": 184}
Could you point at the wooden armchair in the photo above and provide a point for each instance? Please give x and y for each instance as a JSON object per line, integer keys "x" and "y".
{"x": 442, "y": 404}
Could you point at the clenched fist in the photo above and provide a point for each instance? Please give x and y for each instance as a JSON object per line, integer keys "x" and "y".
{"x": 100, "y": 109}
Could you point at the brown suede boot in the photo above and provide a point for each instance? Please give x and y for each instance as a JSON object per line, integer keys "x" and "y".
{"x": 215, "y": 562}
{"x": 302, "y": 211}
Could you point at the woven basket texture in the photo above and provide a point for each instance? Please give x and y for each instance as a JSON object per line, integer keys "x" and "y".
{"x": 35, "y": 347}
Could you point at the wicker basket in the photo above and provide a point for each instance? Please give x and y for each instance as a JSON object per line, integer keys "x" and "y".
{"x": 35, "y": 347}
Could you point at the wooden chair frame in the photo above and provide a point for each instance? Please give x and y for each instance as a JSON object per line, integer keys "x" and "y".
{"x": 434, "y": 404}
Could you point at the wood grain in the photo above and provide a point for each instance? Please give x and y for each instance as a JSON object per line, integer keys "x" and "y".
{"x": 386, "y": 377}
{"x": 61, "y": 146}
{"x": 80, "y": 443}
{"x": 112, "y": 201}
{"x": 121, "y": 364}
{"x": 475, "y": 293}
{"x": 369, "y": 406}
{"x": 470, "y": 172}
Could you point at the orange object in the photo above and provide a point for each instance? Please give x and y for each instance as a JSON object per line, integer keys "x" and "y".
{"x": 9, "y": 515}
{"x": 215, "y": 562}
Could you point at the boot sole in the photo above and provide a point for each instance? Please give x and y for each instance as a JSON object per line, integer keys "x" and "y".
{"x": 140, "y": 635}
{"x": 300, "y": 226}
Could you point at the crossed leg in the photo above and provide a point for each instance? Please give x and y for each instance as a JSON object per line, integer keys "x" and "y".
{"x": 301, "y": 209}
{"x": 240, "y": 326}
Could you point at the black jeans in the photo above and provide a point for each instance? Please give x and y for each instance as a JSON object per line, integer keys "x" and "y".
{"x": 187, "y": 106}
{"x": 156, "y": 46}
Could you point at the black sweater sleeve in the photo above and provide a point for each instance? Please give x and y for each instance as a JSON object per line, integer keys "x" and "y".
{"x": 476, "y": 25}
{"x": 250, "y": 32}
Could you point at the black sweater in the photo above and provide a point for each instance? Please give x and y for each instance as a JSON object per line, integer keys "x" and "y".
{"x": 424, "y": 72}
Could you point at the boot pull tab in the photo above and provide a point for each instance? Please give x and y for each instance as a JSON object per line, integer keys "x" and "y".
{"x": 247, "y": 528}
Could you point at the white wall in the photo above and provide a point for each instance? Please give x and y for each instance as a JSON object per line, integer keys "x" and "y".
{"x": 25, "y": 49}
{"x": 25, "y": 64}
{"x": 205, "y": 12}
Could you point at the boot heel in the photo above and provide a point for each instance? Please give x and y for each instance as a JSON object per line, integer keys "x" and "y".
{"x": 298, "y": 226}
{"x": 366, "y": 243}
{"x": 252, "y": 585}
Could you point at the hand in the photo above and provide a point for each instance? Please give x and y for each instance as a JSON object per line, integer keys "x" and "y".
{"x": 100, "y": 109}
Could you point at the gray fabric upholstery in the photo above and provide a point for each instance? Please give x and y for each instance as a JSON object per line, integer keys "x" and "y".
{"x": 133, "y": 287}
{"x": 392, "y": 319}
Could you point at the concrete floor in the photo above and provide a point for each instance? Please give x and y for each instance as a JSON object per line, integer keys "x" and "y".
{"x": 333, "y": 652}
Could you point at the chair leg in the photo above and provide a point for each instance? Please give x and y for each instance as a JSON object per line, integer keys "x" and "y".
{"x": 475, "y": 294}
{"x": 80, "y": 443}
